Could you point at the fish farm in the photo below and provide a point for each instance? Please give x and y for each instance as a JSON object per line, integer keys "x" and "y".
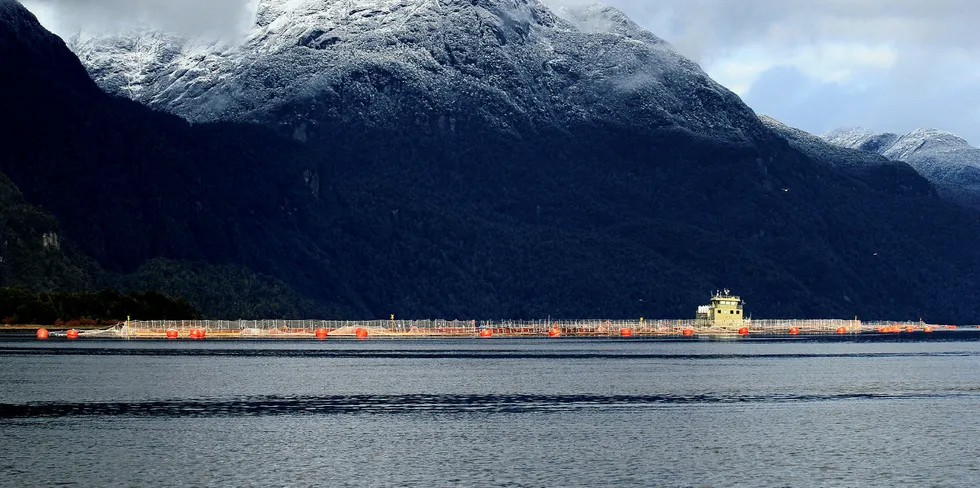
{"x": 722, "y": 318}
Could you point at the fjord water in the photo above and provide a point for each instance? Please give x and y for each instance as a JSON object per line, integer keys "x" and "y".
{"x": 489, "y": 413}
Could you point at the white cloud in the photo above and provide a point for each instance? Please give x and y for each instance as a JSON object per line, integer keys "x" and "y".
{"x": 891, "y": 65}
{"x": 828, "y": 63}
{"x": 188, "y": 17}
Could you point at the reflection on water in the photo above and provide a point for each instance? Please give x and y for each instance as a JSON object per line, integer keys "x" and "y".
{"x": 490, "y": 413}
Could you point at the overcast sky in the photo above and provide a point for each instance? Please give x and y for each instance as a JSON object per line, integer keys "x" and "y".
{"x": 888, "y": 65}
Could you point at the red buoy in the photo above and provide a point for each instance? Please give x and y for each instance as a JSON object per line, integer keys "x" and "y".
{"x": 743, "y": 331}
{"x": 626, "y": 332}
{"x": 486, "y": 333}
{"x": 42, "y": 333}
{"x": 321, "y": 333}
{"x": 172, "y": 334}
{"x": 688, "y": 332}
{"x": 72, "y": 334}
{"x": 842, "y": 330}
{"x": 794, "y": 331}
{"x": 554, "y": 332}
{"x": 361, "y": 333}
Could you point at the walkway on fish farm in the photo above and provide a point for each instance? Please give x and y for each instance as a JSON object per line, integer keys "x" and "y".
{"x": 322, "y": 329}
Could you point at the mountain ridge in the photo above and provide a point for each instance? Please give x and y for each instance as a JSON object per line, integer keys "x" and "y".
{"x": 514, "y": 64}
{"x": 942, "y": 157}
{"x": 878, "y": 171}
{"x": 637, "y": 201}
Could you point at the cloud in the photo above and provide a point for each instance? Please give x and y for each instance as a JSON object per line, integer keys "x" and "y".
{"x": 829, "y": 62}
{"x": 889, "y": 65}
{"x": 187, "y": 17}
{"x": 703, "y": 29}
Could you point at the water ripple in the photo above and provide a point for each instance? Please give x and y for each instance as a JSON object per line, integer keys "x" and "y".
{"x": 418, "y": 403}
{"x": 449, "y": 353}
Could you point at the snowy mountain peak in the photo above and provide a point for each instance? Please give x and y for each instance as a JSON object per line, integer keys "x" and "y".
{"x": 598, "y": 18}
{"x": 943, "y": 157}
{"x": 924, "y": 141}
{"x": 509, "y": 63}
{"x": 324, "y": 22}
{"x": 846, "y": 136}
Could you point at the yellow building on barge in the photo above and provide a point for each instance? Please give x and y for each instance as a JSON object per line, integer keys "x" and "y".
{"x": 726, "y": 311}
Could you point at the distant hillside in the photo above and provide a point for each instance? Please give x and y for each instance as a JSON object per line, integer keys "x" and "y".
{"x": 33, "y": 253}
{"x": 878, "y": 171}
{"x": 944, "y": 158}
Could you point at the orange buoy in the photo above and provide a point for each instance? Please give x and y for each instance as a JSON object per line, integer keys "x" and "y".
{"x": 321, "y": 333}
{"x": 361, "y": 333}
{"x": 951, "y": 327}
{"x": 927, "y": 328}
{"x": 192, "y": 334}
{"x": 71, "y": 334}
{"x": 172, "y": 334}
{"x": 626, "y": 332}
{"x": 554, "y": 332}
{"x": 743, "y": 331}
{"x": 842, "y": 330}
{"x": 794, "y": 331}
{"x": 688, "y": 332}
{"x": 42, "y": 333}
{"x": 909, "y": 329}
{"x": 486, "y": 333}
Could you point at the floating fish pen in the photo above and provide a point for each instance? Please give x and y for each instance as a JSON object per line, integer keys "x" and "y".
{"x": 723, "y": 317}
{"x": 323, "y": 329}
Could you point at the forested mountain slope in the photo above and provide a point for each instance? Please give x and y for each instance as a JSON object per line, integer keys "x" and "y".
{"x": 471, "y": 159}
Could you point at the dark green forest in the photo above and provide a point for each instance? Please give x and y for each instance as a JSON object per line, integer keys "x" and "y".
{"x": 19, "y": 306}
{"x": 591, "y": 220}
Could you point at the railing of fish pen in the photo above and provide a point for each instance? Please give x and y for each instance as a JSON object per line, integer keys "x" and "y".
{"x": 589, "y": 327}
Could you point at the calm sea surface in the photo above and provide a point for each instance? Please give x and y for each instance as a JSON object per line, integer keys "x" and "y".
{"x": 489, "y": 413}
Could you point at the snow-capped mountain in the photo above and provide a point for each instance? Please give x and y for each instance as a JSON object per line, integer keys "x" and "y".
{"x": 944, "y": 158}
{"x": 816, "y": 145}
{"x": 480, "y": 158}
{"x": 514, "y": 63}
{"x": 890, "y": 175}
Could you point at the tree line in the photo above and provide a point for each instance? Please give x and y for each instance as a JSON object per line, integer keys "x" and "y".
{"x": 20, "y": 306}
